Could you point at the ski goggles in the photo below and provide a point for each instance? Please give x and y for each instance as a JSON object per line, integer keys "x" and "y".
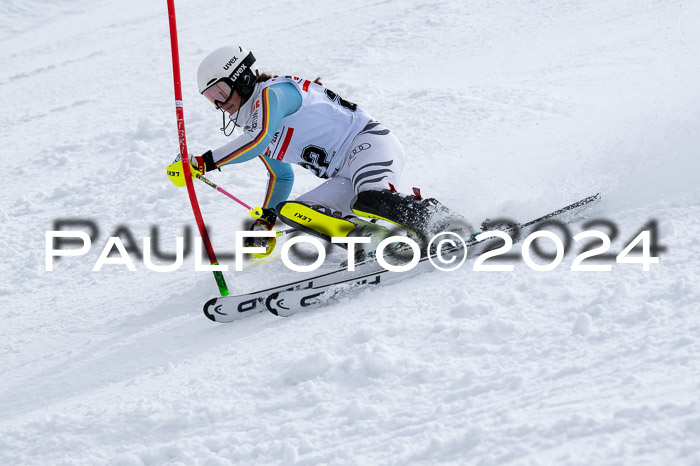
{"x": 219, "y": 92}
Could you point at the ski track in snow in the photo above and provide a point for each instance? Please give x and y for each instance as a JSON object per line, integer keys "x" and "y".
{"x": 505, "y": 109}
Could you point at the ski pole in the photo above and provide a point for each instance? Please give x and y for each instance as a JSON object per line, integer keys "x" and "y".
{"x": 255, "y": 212}
{"x": 285, "y": 232}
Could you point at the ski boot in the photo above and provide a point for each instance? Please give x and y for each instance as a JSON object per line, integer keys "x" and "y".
{"x": 423, "y": 218}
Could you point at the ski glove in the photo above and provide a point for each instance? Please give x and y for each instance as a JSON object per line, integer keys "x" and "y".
{"x": 199, "y": 166}
{"x": 265, "y": 223}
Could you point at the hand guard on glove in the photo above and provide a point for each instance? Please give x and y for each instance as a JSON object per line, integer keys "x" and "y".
{"x": 265, "y": 223}
{"x": 176, "y": 172}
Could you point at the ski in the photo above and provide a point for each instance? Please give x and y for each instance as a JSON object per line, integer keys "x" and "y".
{"x": 235, "y": 307}
{"x": 288, "y": 302}
{"x": 289, "y": 298}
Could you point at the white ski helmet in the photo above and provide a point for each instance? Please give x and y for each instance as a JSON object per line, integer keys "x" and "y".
{"x": 232, "y": 68}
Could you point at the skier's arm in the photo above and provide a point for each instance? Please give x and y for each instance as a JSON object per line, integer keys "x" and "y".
{"x": 276, "y": 102}
{"x": 280, "y": 182}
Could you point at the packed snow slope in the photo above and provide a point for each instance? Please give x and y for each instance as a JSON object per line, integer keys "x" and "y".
{"x": 505, "y": 109}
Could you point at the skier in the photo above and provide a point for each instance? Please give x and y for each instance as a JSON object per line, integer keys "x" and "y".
{"x": 289, "y": 120}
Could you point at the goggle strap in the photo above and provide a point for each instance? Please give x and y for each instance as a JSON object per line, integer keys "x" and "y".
{"x": 247, "y": 62}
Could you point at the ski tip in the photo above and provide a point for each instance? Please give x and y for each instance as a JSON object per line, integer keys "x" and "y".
{"x": 208, "y": 308}
{"x": 269, "y": 303}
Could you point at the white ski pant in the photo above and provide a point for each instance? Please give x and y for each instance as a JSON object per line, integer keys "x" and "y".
{"x": 375, "y": 159}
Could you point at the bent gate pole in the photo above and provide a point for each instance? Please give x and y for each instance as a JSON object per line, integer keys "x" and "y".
{"x": 223, "y": 289}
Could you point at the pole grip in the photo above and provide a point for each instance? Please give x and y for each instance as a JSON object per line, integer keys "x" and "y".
{"x": 256, "y": 212}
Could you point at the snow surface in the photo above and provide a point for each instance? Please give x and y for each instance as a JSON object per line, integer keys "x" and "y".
{"x": 505, "y": 109}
